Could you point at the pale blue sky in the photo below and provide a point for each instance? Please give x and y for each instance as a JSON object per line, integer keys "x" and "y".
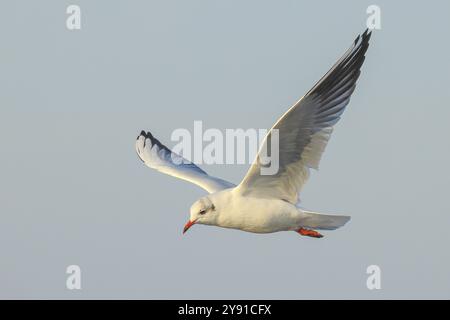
{"x": 74, "y": 192}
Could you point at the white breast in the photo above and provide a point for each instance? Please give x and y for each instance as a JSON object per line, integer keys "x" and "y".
{"x": 259, "y": 215}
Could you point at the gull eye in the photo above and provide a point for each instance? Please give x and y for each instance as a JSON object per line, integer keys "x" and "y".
{"x": 202, "y": 211}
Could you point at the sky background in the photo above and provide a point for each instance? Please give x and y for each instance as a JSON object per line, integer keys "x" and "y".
{"x": 74, "y": 192}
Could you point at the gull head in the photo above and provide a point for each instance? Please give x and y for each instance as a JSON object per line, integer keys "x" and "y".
{"x": 203, "y": 211}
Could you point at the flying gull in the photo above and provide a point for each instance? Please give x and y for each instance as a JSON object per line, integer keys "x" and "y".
{"x": 270, "y": 203}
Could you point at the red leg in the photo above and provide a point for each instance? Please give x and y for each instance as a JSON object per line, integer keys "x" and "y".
{"x": 309, "y": 233}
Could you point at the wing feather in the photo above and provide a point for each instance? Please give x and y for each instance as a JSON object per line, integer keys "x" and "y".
{"x": 304, "y": 130}
{"x": 157, "y": 156}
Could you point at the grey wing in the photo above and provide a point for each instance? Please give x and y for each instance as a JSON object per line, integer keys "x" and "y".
{"x": 304, "y": 130}
{"x": 157, "y": 156}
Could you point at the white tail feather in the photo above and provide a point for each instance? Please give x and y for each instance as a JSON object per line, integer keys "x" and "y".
{"x": 315, "y": 220}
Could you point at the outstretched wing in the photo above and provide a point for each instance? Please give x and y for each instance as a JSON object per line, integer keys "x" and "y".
{"x": 157, "y": 156}
{"x": 305, "y": 129}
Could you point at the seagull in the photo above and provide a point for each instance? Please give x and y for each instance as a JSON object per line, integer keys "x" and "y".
{"x": 270, "y": 203}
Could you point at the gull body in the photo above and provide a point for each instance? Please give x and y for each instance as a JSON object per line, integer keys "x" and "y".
{"x": 231, "y": 209}
{"x": 270, "y": 203}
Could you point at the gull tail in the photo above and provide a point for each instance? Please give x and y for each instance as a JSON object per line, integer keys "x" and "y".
{"x": 315, "y": 220}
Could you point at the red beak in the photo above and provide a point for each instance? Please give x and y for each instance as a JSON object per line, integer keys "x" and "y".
{"x": 188, "y": 225}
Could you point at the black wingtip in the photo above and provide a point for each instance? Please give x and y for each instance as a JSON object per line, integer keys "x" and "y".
{"x": 142, "y": 134}
{"x": 364, "y": 37}
{"x": 148, "y": 135}
{"x": 366, "y": 34}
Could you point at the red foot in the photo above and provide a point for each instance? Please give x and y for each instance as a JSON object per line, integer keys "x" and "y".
{"x": 309, "y": 233}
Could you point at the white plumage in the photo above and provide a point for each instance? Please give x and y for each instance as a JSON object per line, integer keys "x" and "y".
{"x": 269, "y": 203}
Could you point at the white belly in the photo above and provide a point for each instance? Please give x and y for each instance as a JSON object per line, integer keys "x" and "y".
{"x": 258, "y": 215}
